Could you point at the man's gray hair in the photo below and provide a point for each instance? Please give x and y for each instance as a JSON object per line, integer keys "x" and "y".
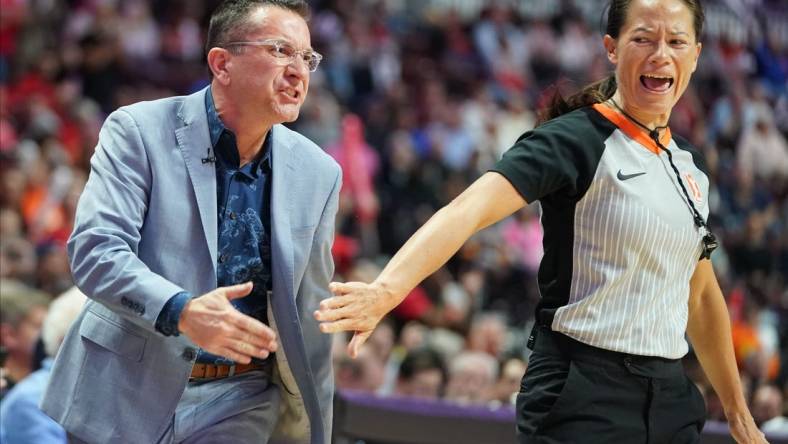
{"x": 229, "y": 20}
{"x": 471, "y": 360}
{"x": 17, "y": 300}
{"x": 62, "y": 313}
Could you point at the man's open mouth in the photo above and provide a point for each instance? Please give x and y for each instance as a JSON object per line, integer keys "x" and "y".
{"x": 293, "y": 93}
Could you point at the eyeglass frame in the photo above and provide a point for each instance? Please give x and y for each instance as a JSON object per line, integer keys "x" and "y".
{"x": 277, "y": 45}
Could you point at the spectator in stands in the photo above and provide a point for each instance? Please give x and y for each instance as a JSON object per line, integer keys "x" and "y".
{"x": 488, "y": 334}
{"x": 17, "y": 259}
{"x": 365, "y": 373}
{"x": 472, "y": 377}
{"x": 767, "y": 409}
{"x": 21, "y": 421}
{"x": 508, "y": 384}
{"x": 762, "y": 151}
{"x": 22, "y": 311}
{"x": 422, "y": 374}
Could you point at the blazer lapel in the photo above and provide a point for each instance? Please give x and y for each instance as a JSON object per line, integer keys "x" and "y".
{"x": 195, "y": 143}
{"x": 282, "y": 239}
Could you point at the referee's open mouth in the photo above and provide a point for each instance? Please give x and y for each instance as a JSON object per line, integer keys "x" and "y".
{"x": 656, "y": 82}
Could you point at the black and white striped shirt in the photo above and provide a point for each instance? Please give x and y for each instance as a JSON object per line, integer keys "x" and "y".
{"x": 619, "y": 239}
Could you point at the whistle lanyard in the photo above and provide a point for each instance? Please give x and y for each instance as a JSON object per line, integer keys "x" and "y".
{"x": 709, "y": 240}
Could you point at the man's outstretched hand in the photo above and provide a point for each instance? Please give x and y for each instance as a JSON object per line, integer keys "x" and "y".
{"x": 217, "y": 327}
{"x": 356, "y": 307}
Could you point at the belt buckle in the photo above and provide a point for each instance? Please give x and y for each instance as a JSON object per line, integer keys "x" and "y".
{"x": 231, "y": 372}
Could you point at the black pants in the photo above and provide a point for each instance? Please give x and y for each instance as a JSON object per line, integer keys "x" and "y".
{"x": 576, "y": 393}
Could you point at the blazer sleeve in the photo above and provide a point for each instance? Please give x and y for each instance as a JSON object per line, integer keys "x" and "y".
{"x": 103, "y": 248}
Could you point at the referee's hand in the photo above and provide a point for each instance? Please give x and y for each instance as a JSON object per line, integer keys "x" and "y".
{"x": 744, "y": 430}
{"x": 356, "y": 307}
{"x": 217, "y": 327}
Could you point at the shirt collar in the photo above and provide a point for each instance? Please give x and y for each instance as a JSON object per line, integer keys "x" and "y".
{"x": 630, "y": 129}
{"x": 225, "y": 147}
{"x": 215, "y": 125}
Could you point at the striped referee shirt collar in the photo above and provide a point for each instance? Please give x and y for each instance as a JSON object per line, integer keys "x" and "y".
{"x": 632, "y": 130}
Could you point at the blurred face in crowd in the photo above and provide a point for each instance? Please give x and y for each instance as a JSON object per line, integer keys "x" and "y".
{"x": 257, "y": 78}
{"x": 426, "y": 383}
{"x": 365, "y": 373}
{"x": 20, "y": 339}
{"x": 487, "y": 335}
{"x": 767, "y": 403}
{"x": 413, "y": 335}
{"x": 382, "y": 341}
{"x": 655, "y": 55}
{"x": 469, "y": 385}
{"x": 509, "y": 382}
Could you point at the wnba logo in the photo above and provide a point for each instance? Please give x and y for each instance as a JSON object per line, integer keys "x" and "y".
{"x": 694, "y": 188}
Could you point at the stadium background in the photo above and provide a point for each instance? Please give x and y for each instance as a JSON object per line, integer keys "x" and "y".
{"x": 415, "y": 99}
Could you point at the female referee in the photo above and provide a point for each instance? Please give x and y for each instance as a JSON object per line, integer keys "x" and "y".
{"x": 626, "y": 270}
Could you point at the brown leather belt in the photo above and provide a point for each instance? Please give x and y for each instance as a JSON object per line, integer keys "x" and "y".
{"x": 210, "y": 371}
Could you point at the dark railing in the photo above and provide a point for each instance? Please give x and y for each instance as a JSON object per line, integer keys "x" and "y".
{"x": 393, "y": 420}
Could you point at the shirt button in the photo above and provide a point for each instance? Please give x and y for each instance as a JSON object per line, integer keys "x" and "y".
{"x": 223, "y": 258}
{"x": 189, "y": 354}
{"x": 232, "y": 215}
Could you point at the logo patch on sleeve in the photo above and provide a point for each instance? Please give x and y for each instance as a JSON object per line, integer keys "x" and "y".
{"x": 694, "y": 188}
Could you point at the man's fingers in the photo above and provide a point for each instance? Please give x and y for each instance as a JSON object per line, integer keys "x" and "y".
{"x": 247, "y": 349}
{"x": 248, "y": 325}
{"x": 229, "y": 353}
{"x": 359, "y": 338}
{"x": 237, "y": 291}
{"x": 252, "y": 325}
{"x": 254, "y": 340}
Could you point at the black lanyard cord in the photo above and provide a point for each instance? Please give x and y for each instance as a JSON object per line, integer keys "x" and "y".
{"x": 699, "y": 222}
{"x": 709, "y": 240}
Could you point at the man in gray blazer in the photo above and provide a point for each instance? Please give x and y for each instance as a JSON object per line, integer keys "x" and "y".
{"x": 203, "y": 239}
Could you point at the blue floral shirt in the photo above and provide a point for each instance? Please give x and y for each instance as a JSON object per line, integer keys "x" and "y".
{"x": 243, "y": 196}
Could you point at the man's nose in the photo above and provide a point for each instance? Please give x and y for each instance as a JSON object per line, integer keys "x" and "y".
{"x": 299, "y": 66}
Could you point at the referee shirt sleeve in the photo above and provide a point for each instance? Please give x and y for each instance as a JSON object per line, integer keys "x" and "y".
{"x": 544, "y": 160}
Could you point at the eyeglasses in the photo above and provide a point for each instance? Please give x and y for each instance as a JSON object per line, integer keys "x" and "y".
{"x": 285, "y": 52}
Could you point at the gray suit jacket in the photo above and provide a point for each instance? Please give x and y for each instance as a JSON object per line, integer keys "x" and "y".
{"x": 146, "y": 228}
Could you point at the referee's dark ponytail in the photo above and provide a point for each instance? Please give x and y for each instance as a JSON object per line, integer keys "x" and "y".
{"x": 593, "y": 93}
{"x": 605, "y": 88}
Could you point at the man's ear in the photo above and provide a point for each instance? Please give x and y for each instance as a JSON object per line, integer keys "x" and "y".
{"x": 219, "y": 61}
{"x": 610, "y": 47}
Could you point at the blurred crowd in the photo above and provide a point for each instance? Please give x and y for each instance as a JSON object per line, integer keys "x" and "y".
{"x": 415, "y": 99}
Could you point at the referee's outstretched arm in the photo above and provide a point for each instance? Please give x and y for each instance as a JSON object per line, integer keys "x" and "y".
{"x": 358, "y": 307}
